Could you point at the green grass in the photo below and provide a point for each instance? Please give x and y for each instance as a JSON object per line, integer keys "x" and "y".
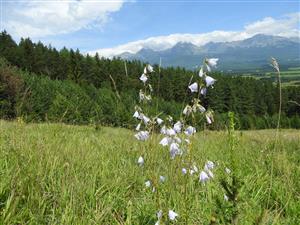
{"x": 289, "y": 77}
{"x": 61, "y": 174}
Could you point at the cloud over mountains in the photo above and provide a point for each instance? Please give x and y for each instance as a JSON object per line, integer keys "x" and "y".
{"x": 286, "y": 26}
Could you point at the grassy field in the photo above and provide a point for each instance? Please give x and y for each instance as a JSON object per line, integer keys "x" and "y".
{"x": 289, "y": 77}
{"x": 61, "y": 174}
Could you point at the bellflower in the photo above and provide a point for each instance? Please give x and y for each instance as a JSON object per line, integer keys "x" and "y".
{"x": 143, "y": 78}
{"x": 177, "y": 127}
{"x": 145, "y": 118}
{"x": 203, "y": 177}
{"x": 209, "y": 165}
{"x": 170, "y": 132}
{"x": 162, "y": 179}
{"x": 190, "y": 130}
{"x": 209, "y": 118}
{"x": 148, "y": 183}
{"x": 174, "y": 150}
{"x": 141, "y": 161}
{"x": 201, "y": 72}
{"x": 150, "y": 68}
{"x": 203, "y": 91}
{"x": 172, "y": 215}
{"x": 198, "y": 107}
{"x": 194, "y": 87}
{"x": 159, "y": 121}
{"x": 209, "y": 81}
{"x": 138, "y": 127}
{"x": 212, "y": 62}
{"x": 187, "y": 110}
{"x": 165, "y": 141}
{"x": 142, "y": 135}
{"x": 136, "y": 115}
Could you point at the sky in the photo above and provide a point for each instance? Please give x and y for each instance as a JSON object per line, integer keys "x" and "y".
{"x": 115, "y": 26}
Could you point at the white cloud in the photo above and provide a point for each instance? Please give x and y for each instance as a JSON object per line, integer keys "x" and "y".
{"x": 288, "y": 26}
{"x": 43, "y": 18}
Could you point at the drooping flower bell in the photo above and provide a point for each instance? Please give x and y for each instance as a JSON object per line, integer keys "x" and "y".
{"x": 177, "y": 127}
{"x": 212, "y": 62}
{"x": 194, "y": 87}
{"x": 141, "y": 161}
{"x": 172, "y": 215}
{"x": 142, "y": 135}
{"x": 203, "y": 177}
{"x": 143, "y": 78}
{"x": 190, "y": 130}
{"x": 209, "y": 81}
{"x": 201, "y": 73}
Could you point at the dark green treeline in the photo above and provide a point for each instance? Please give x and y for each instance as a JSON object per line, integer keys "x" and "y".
{"x": 40, "y": 83}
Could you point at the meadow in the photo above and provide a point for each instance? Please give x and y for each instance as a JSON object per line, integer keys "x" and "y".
{"x": 289, "y": 77}
{"x": 65, "y": 174}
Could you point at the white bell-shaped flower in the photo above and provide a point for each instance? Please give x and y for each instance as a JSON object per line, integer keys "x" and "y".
{"x": 174, "y": 150}
{"x": 145, "y": 118}
{"x": 141, "y": 161}
{"x": 143, "y": 78}
{"x": 170, "y": 132}
{"x": 212, "y": 62}
{"x": 159, "y": 121}
{"x": 148, "y": 183}
{"x": 203, "y": 91}
{"x": 142, "y": 135}
{"x": 198, "y": 107}
{"x": 138, "y": 127}
{"x": 190, "y": 130}
{"x": 184, "y": 170}
{"x": 165, "y": 141}
{"x": 201, "y": 72}
{"x": 203, "y": 177}
{"x": 187, "y": 110}
{"x": 194, "y": 87}
{"x": 163, "y": 130}
{"x": 136, "y": 115}
{"x": 162, "y": 179}
{"x": 150, "y": 68}
{"x": 172, "y": 215}
{"x": 209, "y": 165}
{"x": 177, "y": 127}
{"x": 208, "y": 119}
{"x": 209, "y": 81}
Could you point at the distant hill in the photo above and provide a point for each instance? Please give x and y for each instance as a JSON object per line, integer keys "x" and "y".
{"x": 246, "y": 55}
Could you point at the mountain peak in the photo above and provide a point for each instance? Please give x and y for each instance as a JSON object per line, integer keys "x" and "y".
{"x": 250, "y": 53}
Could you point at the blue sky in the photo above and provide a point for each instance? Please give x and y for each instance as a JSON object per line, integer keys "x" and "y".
{"x": 90, "y": 24}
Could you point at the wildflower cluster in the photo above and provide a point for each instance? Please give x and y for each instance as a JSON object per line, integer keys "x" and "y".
{"x": 177, "y": 135}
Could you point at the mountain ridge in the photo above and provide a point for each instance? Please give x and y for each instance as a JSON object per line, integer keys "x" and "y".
{"x": 249, "y": 54}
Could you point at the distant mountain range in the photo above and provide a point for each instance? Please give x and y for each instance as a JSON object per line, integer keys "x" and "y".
{"x": 247, "y": 55}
